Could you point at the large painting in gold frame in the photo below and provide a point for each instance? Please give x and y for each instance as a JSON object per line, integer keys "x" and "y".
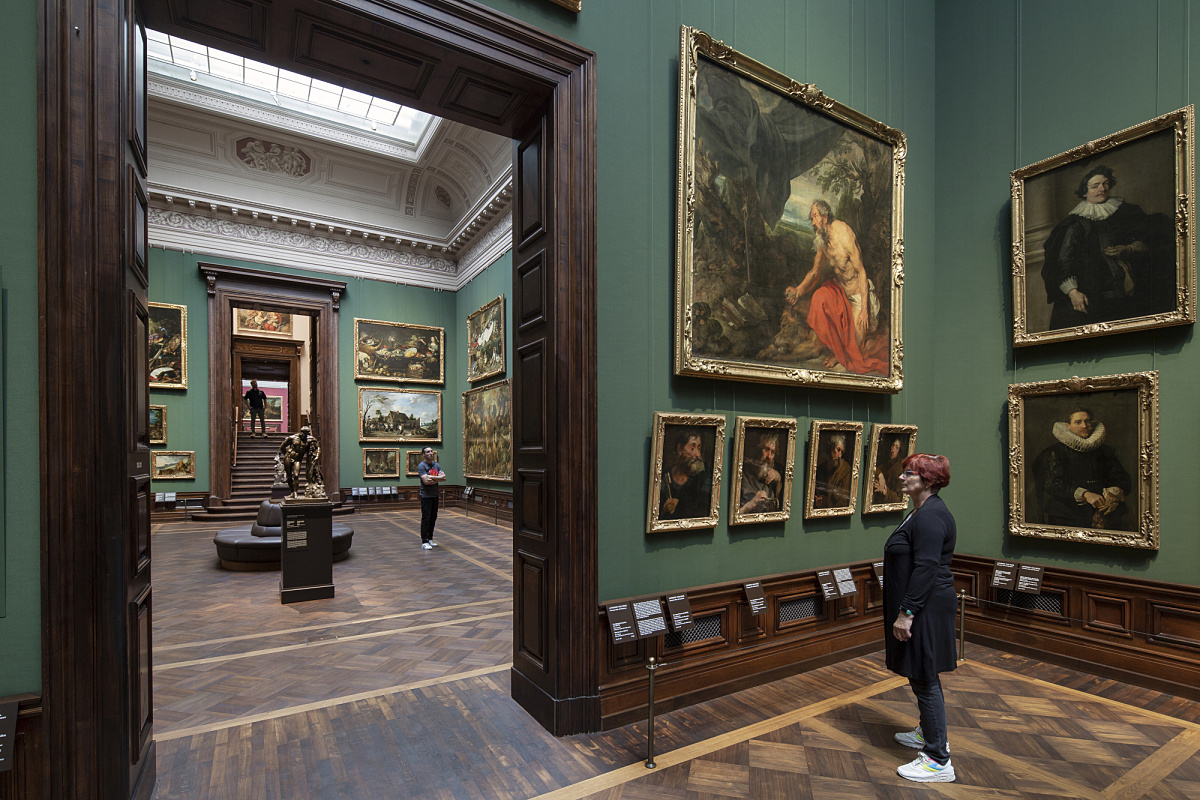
{"x": 764, "y": 457}
{"x": 168, "y": 346}
{"x": 487, "y": 432}
{"x": 789, "y": 253}
{"x": 485, "y": 341}
{"x": 685, "y": 471}
{"x": 1083, "y": 460}
{"x": 399, "y": 415}
{"x": 399, "y": 352}
{"x": 1102, "y": 235}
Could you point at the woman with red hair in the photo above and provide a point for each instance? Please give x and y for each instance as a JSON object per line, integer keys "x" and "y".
{"x": 919, "y": 600}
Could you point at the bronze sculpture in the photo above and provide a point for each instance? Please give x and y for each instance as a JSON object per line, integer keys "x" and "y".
{"x": 297, "y": 450}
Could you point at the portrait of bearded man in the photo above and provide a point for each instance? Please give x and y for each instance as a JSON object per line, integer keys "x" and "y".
{"x": 762, "y": 485}
{"x": 686, "y": 488}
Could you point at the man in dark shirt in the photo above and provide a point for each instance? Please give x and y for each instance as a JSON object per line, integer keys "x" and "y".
{"x": 430, "y": 473}
{"x": 256, "y": 399}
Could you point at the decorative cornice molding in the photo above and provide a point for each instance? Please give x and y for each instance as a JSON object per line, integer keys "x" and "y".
{"x": 163, "y": 88}
{"x": 495, "y": 242}
{"x": 235, "y": 239}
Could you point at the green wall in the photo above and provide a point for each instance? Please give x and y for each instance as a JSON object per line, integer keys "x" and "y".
{"x": 20, "y": 524}
{"x": 1018, "y": 82}
{"x": 876, "y": 57}
{"x": 175, "y": 278}
{"x": 485, "y": 287}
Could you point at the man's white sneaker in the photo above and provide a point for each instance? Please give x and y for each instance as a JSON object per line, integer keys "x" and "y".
{"x": 924, "y": 769}
{"x": 426, "y": 546}
{"x": 432, "y": 542}
{"x": 913, "y": 738}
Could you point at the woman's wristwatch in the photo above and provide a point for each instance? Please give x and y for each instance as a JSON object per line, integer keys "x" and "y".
{"x": 906, "y": 612}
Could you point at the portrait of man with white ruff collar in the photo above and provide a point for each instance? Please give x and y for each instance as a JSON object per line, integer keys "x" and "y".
{"x": 1082, "y": 442}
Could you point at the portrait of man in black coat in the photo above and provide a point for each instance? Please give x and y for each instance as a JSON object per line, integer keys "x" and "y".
{"x": 1079, "y": 479}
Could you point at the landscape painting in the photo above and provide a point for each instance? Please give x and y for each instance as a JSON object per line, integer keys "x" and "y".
{"x": 399, "y": 415}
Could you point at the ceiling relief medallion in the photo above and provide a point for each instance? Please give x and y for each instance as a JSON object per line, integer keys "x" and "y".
{"x": 274, "y": 158}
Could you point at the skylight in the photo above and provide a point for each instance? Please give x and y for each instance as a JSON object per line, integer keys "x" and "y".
{"x": 247, "y": 78}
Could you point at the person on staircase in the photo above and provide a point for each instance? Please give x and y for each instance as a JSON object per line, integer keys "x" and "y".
{"x": 256, "y": 400}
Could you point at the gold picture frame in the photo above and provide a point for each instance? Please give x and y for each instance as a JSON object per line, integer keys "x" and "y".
{"x": 158, "y": 425}
{"x": 831, "y": 484}
{"x": 487, "y": 432}
{"x": 1050, "y": 448}
{"x": 881, "y": 490}
{"x": 399, "y": 352}
{"x": 411, "y": 459}
{"x": 172, "y": 465}
{"x": 570, "y": 5}
{"x": 766, "y": 446}
{"x": 257, "y": 322}
{"x": 1066, "y": 284}
{"x": 399, "y": 415}
{"x": 756, "y": 295}
{"x": 485, "y": 341}
{"x": 381, "y": 462}
{"x": 694, "y": 503}
{"x": 168, "y": 346}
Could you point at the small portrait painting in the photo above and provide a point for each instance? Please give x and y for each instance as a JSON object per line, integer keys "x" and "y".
{"x": 833, "y": 464}
{"x": 890, "y": 445}
{"x": 1097, "y": 248}
{"x": 1080, "y": 447}
{"x": 764, "y": 451}
{"x": 685, "y": 480}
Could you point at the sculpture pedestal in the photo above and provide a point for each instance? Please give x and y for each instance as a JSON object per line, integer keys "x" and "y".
{"x": 306, "y": 551}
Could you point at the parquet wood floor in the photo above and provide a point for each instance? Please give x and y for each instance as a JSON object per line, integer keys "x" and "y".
{"x": 398, "y": 688}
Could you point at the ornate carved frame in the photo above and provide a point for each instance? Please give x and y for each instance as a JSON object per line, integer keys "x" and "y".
{"x": 1145, "y": 384}
{"x": 472, "y": 378}
{"x": 441, "y": 341}
{"x": 661, "y": 421}
{"x": 183, "y": 344}
{"x": 786, "y": 427}
{"x": 878, "y": 431}
{"x": 362, "y": 437}
{"x": 507, "y": 386}
{"x": 395, "y": 450}
{"x": 814, "y": 458}
{"x": 1183, "y": 123}
{"x": 694, "y": 45}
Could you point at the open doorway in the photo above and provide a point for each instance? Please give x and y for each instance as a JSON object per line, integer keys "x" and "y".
{"x": 273, "y": 349}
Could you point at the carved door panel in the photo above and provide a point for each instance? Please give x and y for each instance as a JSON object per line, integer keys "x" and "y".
{"x": 138, "y": 592}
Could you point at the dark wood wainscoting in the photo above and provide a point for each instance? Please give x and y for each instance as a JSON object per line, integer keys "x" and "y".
{"x": 1137, "y": 631}
{"x": 491, "y": 505}
{"x": 24, "y": 780}
{"x": 730, "y": 649}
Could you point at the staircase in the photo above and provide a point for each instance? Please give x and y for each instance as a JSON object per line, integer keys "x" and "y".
{"x": 252, "y": 478}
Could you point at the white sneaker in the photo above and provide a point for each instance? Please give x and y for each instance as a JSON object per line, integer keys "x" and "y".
{"x": 432, "y": 542}
{"x": 426, "y": 546}
{"x": 914, "y": 738}
{"x": 924, "y": 769}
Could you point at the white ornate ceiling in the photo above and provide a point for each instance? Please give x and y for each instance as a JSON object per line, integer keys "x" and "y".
{"x": 235, "y": 177}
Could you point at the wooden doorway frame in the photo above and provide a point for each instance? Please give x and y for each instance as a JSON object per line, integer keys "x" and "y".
{"x": 235, "y": 287}
{"x": 284, "y": 350}
{"x": 535, "y": 88}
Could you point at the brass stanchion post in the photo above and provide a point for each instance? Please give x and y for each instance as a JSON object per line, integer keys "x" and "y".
{"x": 962, "y": 625}
{"x": 651, "y": 665}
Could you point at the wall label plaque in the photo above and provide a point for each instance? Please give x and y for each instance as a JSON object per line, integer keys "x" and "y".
{"x": 621, "y": 624}
{"x": 829, "y": 587}
{"x": 756, "y": 598}
{"x": 877, "y": 568}
{"x": 8, "y": 734}
{"x": 681, "y": 612}
{"x": 845, "y": 582}
{"x": 296, "y": 535}
{"x": 1029, "y": 579}
{"x": 1004, "y": 575}
{"x": 650, "y": 618}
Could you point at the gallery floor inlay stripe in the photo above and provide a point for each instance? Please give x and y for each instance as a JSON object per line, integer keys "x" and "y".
{"x": 325, "y": 626}
{"x": 340, "y": 640}
{"x": 1149, "y": 773}
{"x": 332, "y": 701}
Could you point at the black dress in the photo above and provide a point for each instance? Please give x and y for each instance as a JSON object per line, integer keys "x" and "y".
{"x": 917, "y": 577}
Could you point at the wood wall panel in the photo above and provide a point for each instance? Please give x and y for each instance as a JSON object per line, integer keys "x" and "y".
{"x": 529, "y": 628}
{"x": 751, "y": 649}
{"x": 530, "y": 374}
{"x": 1142, "y": 632}
{"x": 531, "y": 197}
{"x": 237, "y": 22}
{"x": 480, "y": 97}
{"x": 361, "y": 58}
{"x": 24, "y": 780}
{"x": 531, "y": 483}
{"x": 531, "y": 291}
